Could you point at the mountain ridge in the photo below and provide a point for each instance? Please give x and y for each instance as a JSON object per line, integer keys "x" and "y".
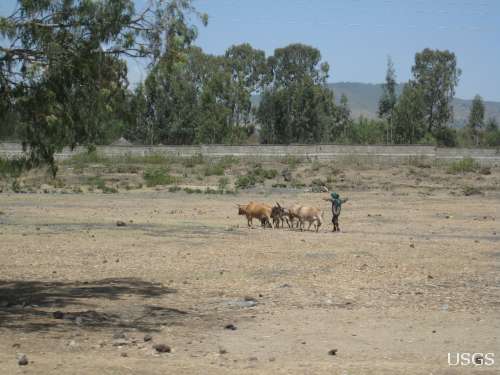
{"x": 363, "y": 101}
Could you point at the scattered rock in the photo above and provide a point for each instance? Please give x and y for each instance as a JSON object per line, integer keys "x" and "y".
{"x": 120, "y": 223}
{"x": 430, "y": 277}
{"x": 72, "y": 344}
{"x": 287, "y": 175}
{"x": 119, "y": 335}
{"x": 333, "y": 352}
{"x": 222, "y": 351}
{"x": 58, "y": 315}
{"x": 253, "y": 359}
{"x": 148, "y": 337}
{"x": 16, "y": 345}
{"x": 120, "y": 342}
{"x": 124, "y": 354}
{"x": 162, "y": 348}
{"x": 22, "y": 359}
{"x": 433, "y": 331}
{"x": 231, "y": 327}
{"x": 272, "y": 359}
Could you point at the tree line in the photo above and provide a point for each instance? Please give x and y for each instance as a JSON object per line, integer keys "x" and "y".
{"x": 63, "y": 82}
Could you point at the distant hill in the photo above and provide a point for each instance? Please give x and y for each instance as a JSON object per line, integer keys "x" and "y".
{"x": 363, "y": 100}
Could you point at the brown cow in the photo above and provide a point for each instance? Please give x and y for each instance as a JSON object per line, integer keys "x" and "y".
{"x": 253, "y": 210}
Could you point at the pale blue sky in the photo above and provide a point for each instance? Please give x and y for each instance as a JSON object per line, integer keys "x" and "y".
{"x": 356, "y": 36}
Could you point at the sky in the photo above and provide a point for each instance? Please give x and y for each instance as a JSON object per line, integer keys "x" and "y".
{"x": 356, "y": 36}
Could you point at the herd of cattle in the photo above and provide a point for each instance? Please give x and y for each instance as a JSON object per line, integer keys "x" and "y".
{"x": 295, "y": 216}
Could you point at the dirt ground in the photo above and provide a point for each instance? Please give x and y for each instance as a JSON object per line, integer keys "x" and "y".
{"x": 411, "y": 278}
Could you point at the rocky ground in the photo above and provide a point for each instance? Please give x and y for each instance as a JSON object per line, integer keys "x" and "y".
{"x": 182, "y": 286}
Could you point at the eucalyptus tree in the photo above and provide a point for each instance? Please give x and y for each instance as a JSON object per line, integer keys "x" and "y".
{"x": 62, "y": 67}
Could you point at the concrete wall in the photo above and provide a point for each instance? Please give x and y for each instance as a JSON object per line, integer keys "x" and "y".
{"x": 376, "y": 154}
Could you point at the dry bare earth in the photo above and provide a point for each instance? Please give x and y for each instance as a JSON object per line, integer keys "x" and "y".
{"x": 410, "y": 279}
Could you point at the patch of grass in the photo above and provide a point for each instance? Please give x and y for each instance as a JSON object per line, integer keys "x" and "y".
{"x": 463, "y": 166}
{"x": 419, "y": 162}
{"x": 96, "y": 182}
{"x": 158, "y": 176}
{"x": 192, "y": 161}
{"x": 86, "y": 158}
{"x": 278, "y": 185}
{"x": 213, "y": 169}
{"x": 193, "y": 191}
{"x": 291, "y": 160}
{"x": 223, "y": 183}
{"x": 109, "y": 190}
{"x": 471, "y": 190}
{"x": 316, "y": 166}
{"x": 298, "y": 184}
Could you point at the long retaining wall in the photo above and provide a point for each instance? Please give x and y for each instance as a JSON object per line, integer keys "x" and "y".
{"x": 373, "y": 153}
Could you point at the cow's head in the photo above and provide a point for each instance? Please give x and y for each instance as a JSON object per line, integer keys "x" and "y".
{"x": 242, "y": 209}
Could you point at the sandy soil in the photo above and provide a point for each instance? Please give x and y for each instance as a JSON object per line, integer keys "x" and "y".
{"x": 411, "y": 278}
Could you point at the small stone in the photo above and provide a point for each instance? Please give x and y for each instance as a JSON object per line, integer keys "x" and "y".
{"x": 222, "y": 351}
{"x": 162, "y": 348}
{"x": 120, "y": 223}
{"x": 22, "y": 359}
{"x": 72, "y": 343}
{"x": 148, "y": 337}
{"x": 78, "y": 321}
{"x": 253, "y": 359}
{"x": 119, "y": 335}
{"x": 124, "y": 354}
{"x": 333, "y": 352}
{"x": 231, "y": 327}
{"x": 412, "y": 245}
{"x": 433, "y": 331}
{"x": 58, "y": 315}
{"x": 120, "y": 342}
{"x": 430, "y": 277}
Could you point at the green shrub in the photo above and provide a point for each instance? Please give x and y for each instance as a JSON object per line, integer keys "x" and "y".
{"x": 96, "y": 182}
{"x": 463, "y": 166}
{"x": 109, "y": 190}
{"x": 318, "y": 182}
{"x": 216, "y": 169}
{"x": 13, "y": 167}
{"x": 279, "y": 185}
{"x": 245, "y": 182}
{"x": 193, "y": 191}
{"x": 158, "y": 176}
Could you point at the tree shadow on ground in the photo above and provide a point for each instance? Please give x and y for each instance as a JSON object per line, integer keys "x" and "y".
{"x": 40, "y": 306}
